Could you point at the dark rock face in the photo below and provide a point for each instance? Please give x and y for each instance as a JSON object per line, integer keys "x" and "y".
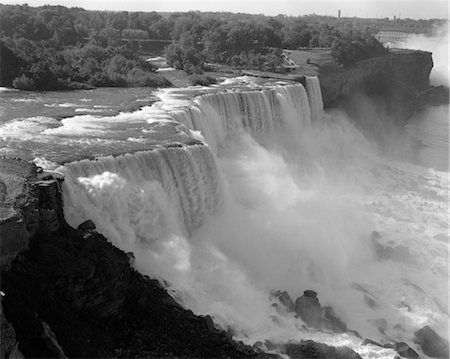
{"x": 9, "y": 347}
{"x": 309, "y": 349}
{"x": 285, "y": 300}
{"x": 432, "y": 343}
{"x": 71, "y": 293}
{"x": 309, "y": 309}
{"x": 97, "y": 306}
{"x": 87, "y": 226}
{"x": 379, "y": 94}
{"x": 403, "y": 71}
{"x": 434, "y": 96}
{"x": 405, "y": 350}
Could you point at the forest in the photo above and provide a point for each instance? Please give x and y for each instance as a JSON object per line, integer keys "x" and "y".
{"x": 57, "y": 48}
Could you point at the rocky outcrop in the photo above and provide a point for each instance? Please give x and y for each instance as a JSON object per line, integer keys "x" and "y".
{"x": 309, "y": 349}
{"x": 69, "y": 292}
{"x": 432, "y": 343}
{"x": 309, "y": 309}
{"x": 9, "y": 346}
{"x": 401, "y": 71}
{"x": 402, "y": 348}
{"x": 18, "y": 214}
{"x": 380, "y": 94}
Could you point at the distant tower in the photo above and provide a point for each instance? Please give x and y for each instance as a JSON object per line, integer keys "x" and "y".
{"x": 339, "y": 14}
{"x": 395, "y": 17}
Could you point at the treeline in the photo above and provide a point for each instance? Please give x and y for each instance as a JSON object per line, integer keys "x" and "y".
{"x": 255, "y": 41}
{"x": 57, "y": 48}
{"x": 54, "y": 47}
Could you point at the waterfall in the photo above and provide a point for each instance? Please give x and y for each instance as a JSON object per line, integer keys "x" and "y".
{"x": 315, "y": 97}
{"x": 142, "y": 197}
{"x": 260, "y": 112}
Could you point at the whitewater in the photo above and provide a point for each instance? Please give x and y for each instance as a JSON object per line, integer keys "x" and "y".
{"x": 274, "y": 194}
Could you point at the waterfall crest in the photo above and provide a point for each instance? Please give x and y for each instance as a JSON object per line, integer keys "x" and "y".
{"x": 259, "y": 112}
{"x": 315, "y": 97}
{"x": 141, "y": 197}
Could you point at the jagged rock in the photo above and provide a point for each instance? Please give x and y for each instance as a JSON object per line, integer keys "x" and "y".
{"x": 405, "y": 350}
{"x": 285, "y": 300}
{"x": 51, "y": 342}
{"x": 309, "y": 349}
{"x": 333, "y": 322}
{"x": 308, "y": 308}
{"x": 14, "y": 239}
{"x": 95, "y": 303}
{"x": 87, "y": 226}
{"x": 432, "y": 343}
{"x": 9, "y": 347}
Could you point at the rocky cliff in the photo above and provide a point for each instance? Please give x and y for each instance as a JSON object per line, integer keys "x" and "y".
{"x": 401, "y": 72}
{"x": 380, "y": 94}
{"x": 69, "y": 292}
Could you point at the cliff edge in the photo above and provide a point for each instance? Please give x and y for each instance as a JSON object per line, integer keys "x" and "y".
{"x": 69, "y": 293}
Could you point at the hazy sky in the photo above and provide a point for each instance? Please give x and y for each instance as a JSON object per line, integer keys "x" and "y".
{"x": 415, "y": 9}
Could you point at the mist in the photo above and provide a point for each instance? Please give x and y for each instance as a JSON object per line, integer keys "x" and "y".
{"x": 293, "y": 208}
{"x": 430, "y": 127}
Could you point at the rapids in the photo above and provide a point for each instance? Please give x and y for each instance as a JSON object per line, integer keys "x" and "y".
{"x": 281, "y": 196}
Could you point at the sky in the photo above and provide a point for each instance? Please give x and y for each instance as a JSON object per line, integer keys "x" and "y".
{"x": 415, "y": 9}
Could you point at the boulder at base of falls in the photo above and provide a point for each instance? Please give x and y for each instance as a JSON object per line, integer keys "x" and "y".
{"x": 309, "y": 349}
{"x": 405, "y": 350}
{"x": 87, "y": 226}
{"x": 309, "y": 309}
{"x": 285, "y": 299}
{"x": 432, "y": 343}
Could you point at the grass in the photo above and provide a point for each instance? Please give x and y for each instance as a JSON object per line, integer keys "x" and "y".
{"x": 313, "y": 61}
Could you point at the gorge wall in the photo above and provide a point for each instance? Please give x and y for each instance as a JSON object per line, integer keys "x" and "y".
{"x": 401, "y": 72}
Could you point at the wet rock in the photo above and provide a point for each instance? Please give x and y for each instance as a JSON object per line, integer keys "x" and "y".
{"x": 14, "y": 239}
{"x": 87, "y": 226}
{"x": 405, "y": 350}
{"x": 309, "y": 349}
{"x": 309, "y": 309}
{"x": 432, "y": 343}
{"x": 9, "y": 348}
{"x": 51, "y": 342}
{"x": 284, "y": 299}
{"x": 333, "y": 322}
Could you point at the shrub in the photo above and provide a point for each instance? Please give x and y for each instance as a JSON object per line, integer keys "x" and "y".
{"x": 24, "y": 83}
{"x": 201, "y": 80}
